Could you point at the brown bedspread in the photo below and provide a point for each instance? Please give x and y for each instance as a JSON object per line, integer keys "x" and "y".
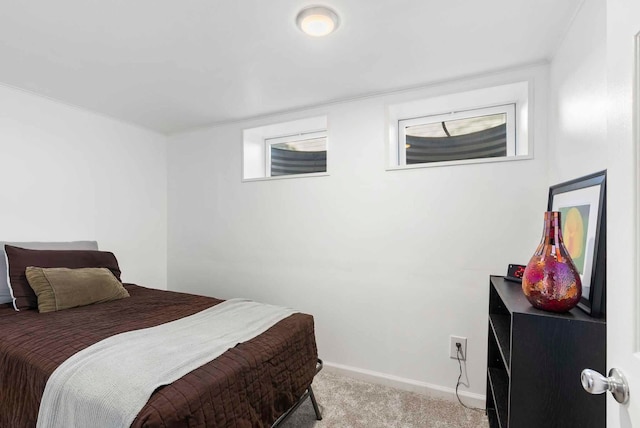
{"x": 250, "y": 385}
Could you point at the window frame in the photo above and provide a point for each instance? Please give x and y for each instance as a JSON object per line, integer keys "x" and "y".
{"x": 512, "y": 143}
{"x": 520, "y": 89}
{"x": 253, "y": 146}
{"x": 301, "y": 136}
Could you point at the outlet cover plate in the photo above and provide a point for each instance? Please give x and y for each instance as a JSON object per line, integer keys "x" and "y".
{"x": 453, "y": 351}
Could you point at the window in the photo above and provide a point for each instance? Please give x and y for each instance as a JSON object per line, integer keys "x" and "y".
{"x": 297, "y": 154}
{"x": 482, "y": 125}
{"x": 474, "y": 134}
{"x": 286, "y": 150}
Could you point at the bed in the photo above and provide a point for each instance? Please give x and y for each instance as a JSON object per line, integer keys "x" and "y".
{"x": 254, "y": 384}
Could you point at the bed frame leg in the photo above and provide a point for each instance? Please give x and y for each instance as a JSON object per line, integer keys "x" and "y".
{"x": 315, "y": 404}
{"x": 307, "y": 393}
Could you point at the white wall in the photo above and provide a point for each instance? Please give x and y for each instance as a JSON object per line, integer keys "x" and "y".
{"x": 390, "y": 263}
{"x": 69, "y": 174}
{"x": 578, "y": 97}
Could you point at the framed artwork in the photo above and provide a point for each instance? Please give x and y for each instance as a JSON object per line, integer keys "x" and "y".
{"x": 582, "y": 204}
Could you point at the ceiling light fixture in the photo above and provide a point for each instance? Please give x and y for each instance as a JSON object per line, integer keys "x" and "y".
{"x": 317, "y": 21}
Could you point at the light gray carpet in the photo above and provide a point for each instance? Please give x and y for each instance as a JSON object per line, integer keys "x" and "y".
{"x": 349, "y": 403}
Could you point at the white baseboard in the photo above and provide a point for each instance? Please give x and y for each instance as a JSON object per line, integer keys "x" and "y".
{"x": 431, "y": 390}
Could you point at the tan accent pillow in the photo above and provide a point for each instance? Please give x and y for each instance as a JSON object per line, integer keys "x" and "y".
{"x": 63, "y": 288}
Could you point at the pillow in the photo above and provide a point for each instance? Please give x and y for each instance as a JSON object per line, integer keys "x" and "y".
{"x": 5, "y": 292}
{"x": 18, "y": 259}
{"x": 62, "y": 288}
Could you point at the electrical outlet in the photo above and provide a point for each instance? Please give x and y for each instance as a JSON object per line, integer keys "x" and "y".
{"x": 453, "y": 350}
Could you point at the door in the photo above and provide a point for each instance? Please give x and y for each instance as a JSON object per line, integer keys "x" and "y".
{"x": 623, "y": 216}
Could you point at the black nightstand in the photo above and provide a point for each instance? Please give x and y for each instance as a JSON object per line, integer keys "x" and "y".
{"x": 534, "y": 363}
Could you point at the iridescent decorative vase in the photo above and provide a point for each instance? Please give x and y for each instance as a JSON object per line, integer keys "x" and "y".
{"x": 551, "y": 281}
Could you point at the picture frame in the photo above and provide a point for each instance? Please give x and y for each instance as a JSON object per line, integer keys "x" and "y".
{"x": 582, "y": 204}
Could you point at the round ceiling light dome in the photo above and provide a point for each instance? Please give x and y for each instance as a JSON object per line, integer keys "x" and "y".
{"x": 317, "y": 21}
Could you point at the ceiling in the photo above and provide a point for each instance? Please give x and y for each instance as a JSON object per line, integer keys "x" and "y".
{"x": 171, "y": 65}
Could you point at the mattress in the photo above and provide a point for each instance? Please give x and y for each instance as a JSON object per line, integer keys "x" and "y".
{"x": 250, "y": 385}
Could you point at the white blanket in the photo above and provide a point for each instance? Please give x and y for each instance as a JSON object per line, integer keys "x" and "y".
{"x": 108, "y": 383}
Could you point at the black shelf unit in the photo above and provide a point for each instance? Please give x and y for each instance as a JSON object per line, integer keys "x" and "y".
{"x": 534, "y": 362}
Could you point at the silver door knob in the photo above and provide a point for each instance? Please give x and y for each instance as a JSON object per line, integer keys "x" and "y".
{"x": 594, "y": 383}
